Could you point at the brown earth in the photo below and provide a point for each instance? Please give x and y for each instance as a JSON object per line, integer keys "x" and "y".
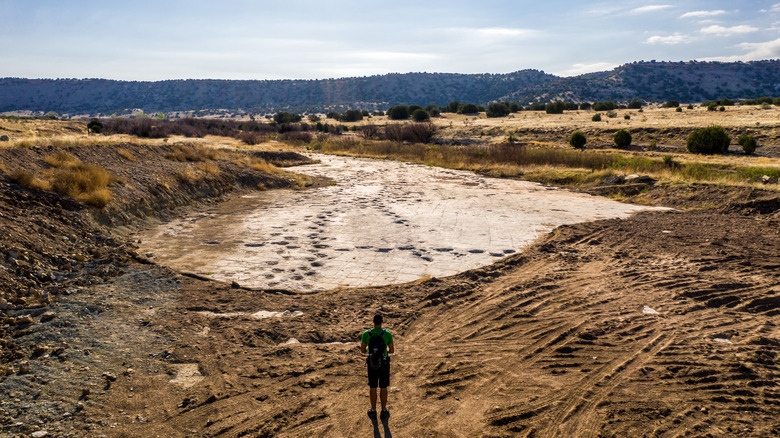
{"x": 559, "y": 340}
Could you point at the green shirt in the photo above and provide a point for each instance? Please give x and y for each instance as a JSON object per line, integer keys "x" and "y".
{"x": 388, "y": 338}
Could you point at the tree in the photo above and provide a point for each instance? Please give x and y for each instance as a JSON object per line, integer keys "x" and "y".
{"x": 710, "y": 140}
{"x": 285, "y": 117}
{"x": 468, "y": 108}
{"x": 585, "y": 106}
{"x": 622, "y": 138}
{"x": 596, "y": 117}
{"x": 498, "y": 110}
{"x": 352, "y": 116}
{"x": 453, "y": 106}
{"x": 51, "y": 115}
{"x": 399, "y": 112}
{"x": 554, "y": 107}
{"x": 671, "y": 104}
{"x": 635, "y": 104}
{"x": 748, "y": 143}
{"x": 578, "y": 140}
{"x": 433, "y": 110}
{"x": 95, "y": 126}
{"x": 420, "y": 115}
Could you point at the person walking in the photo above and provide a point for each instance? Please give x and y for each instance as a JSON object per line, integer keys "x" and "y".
{"x": 378, "y": 343}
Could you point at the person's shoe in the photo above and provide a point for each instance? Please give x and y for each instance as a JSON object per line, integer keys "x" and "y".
{"x": 372, "y": 414}
{"x": 385, "y": 414}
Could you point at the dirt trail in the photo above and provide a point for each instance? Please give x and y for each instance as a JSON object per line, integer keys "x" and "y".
{"x": 662, "y": 324}
{"x": 561, "y": 340}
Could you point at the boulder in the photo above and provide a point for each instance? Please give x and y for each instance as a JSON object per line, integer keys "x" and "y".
{"x": 5, "y": 138}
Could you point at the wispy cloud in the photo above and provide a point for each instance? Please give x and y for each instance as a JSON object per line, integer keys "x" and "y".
{"x": 582, "y": 68}
{"x": 668, "y": 40}
{"x": 753, "y": 52}
{"x": 702, "y": 14}
{"x": 718, "y": 30}
{"x": 774, "y": 8}
{"x": 497, "y": 32}
{"x": 649, "y": 8}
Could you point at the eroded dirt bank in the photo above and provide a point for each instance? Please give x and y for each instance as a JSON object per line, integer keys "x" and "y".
{"x": 660, "y": 324}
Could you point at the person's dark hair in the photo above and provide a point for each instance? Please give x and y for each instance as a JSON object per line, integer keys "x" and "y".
{"x": 377, "y": 319}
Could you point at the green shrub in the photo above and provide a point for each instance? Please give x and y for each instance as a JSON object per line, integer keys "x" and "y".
{"x": 596, "y": 117}
{"x": 668, "y": 160}
{"x": 622, "y": 138}
{"x": 453, "y": 106}
{"x": 285, "y": 117}
{"x": 420, "y": 115}
{"x": 671, "y": 104}
{"x": 679, "y": 109}
{"x": 722, "y": 108}
{"x": 314, "y": 118}
{"x": 653, "y": 145}
{"x": 468, "y": 108}
{"x": 554, "y": 107}
{"x": 712, "y": 107}
{"x": 498, "y": 110}
{"x": 352, "y": 116}
{"x": 710, "y": 140}
{"x": 95, "y": 126}
{"x": 585, "y": 106}
{"x": 433, "y": 110}
{"x": 578, "y": 140}
{"x": 604, "y": 106}
{"x": 399, "y": 112}
{"x": 413, "y": 108}
{"x": 634, "y": 104}
{"x": 612, "y": 114}
{"x": 627, "y": 117}
{"x": 690, "y": 106}
{"x": 748, "y": 143}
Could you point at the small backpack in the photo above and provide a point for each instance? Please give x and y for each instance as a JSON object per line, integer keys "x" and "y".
{"x": 376, "y": 350}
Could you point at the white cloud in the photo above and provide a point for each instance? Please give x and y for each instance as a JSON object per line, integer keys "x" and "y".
{"x": 669, "y": 40}
{"x": 702, "y": 14}
{"x": 578, "y": 69}
{"x": 728, "y": 31}
{"x": 774, "y": 8}
{"x": 753, "y": 52}
{"x": 497, "y": 32}
{"x": 649, "y": 8}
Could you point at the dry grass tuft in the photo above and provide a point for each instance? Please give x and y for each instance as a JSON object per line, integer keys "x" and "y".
{"x": 262, "y": 166}
{"x": 61, "y": 159}
{"x": 28, "y": 179}
{"x": 188, "y": 176}
{"x": 85, "y": 183}
{"x": 192, "y": 153}
{"x": 210, "y": 168}
{"x": 124, "y": 153}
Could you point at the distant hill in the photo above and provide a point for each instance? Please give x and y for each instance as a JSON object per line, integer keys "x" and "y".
{"x": 650, "y": 81}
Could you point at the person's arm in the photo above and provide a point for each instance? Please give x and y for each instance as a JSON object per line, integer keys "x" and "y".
{"x": 363, "y": 347}
{"x": 391, "y": 348}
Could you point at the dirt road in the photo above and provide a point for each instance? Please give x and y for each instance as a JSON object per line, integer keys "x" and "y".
{"x": 664, "y": 324}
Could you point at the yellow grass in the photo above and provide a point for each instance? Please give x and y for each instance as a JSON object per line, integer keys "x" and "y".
{"x": 29, "y": 179}
{"x": 127, "y": 155}
{"x": 210, "y": 167}
{"x": 61, "y": 159}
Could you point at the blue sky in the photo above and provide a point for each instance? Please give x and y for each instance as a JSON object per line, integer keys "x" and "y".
{"x": 235, "y": 39}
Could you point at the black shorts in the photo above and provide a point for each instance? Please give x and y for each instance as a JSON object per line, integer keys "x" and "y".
{"x": 379, "y": 378}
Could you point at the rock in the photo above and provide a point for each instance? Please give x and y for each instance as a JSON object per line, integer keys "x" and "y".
{"x": 5, "y": 138}
{"x": 641, "y": 179}
{"x": 39, "y": 434}
{"x": 3, "y": 304}
{"x": 24, "y": 367}
{"x": 48, "y": 316}
{"x": 109, "y": 377}
{"x": 766, "y": 179}
{"x": 619, "y": 179}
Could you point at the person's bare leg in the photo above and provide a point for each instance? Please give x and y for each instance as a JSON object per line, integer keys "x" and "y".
{"x": 382, "y": 397}
{"x": 372, "y": 397}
